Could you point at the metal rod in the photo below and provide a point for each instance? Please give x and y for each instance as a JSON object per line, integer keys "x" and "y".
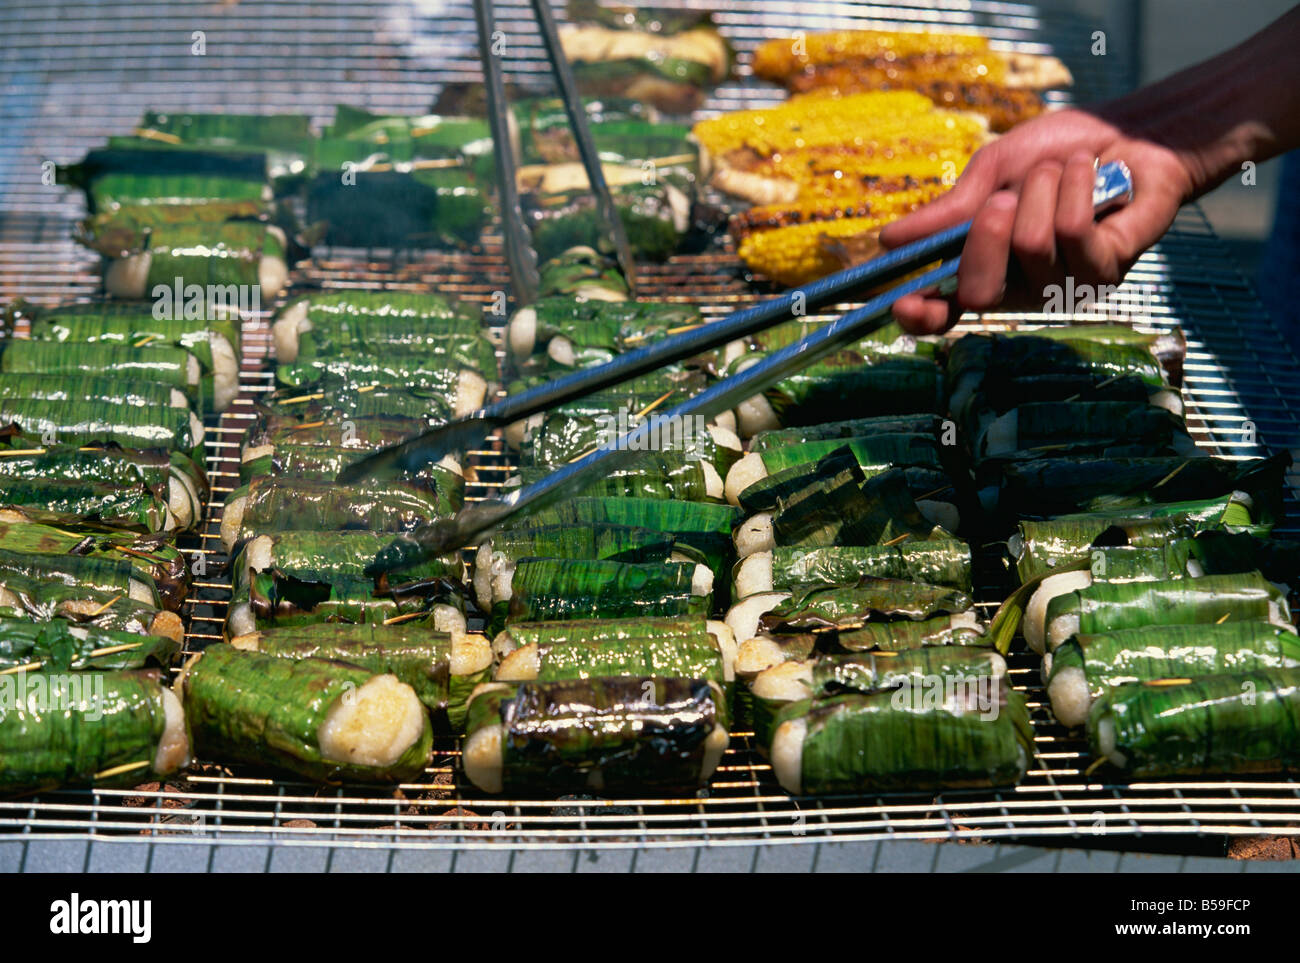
{"x": 582, "y": 136}
{"x": 518, "y": 244}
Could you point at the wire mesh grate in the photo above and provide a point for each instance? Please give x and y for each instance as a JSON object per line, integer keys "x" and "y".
{"x": 75, "y": 73}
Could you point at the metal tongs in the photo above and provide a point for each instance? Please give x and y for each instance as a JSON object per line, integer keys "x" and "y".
{"x": 1113, "y": 186}
{"x": 518, "y": 247}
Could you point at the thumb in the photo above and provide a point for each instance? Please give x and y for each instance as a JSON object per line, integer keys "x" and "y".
{"x": 977, "y": 182}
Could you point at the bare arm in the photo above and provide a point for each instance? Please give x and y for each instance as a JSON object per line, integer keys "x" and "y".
{"x": 1029, "y": 192}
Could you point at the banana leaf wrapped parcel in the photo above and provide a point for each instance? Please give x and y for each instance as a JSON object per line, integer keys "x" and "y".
{"x": 673, "y": 474}
{"x": 1213, "y": 599}
{"x": 248, "y": 254}
{"x": 697, "y": 655}
{"x": 865, "y": 672}
{"x": 767, "y": 650}
{"x": 918, "y": 737}
{"x": 213, "y": 342}
{"x": 84, "y": 424}
{"x": 65, "y": 646}
{"x": 320, "y": 317}
{"x": 1039, "y": 547}
{"x": 579, "y": 333}
{"x": 808, "y": 606}
{"x": 1106, "y": 427}
{"x": 443, "y": 668}
{"x": 1046, "y": 487}
{"x": 151, "y": 556}
{"x": 1082, "y": 669}
{"x": 327, "y": 721}
{"x": 702, "y": 526}
{"x": 303, "y": 577}
{"x": 847, "y": 508}
{"x": 273, "y": 504}
{"x": 153, "y": 490}
{"x": 945, "y": 562}
{"x": 495, "y": 561}
{"x": 560, "y": 588}
{"x": 608, "y": 735}
{"x": 33, "y": 598}
{"x": 99, "y": 729}
{"x": 846, "y": 384}
{"x": 1233, "y": 724}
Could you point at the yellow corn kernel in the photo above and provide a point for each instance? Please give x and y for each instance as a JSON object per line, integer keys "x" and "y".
{"x": 819, "y": 119}
{"x": 796, "y": 255}
{"x": 777, "y": 59}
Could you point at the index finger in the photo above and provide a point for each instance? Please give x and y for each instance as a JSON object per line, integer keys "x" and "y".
{"x": 977, "y": 182}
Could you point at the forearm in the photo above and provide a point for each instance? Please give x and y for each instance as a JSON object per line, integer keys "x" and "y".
{"x": 1243, "y": 105}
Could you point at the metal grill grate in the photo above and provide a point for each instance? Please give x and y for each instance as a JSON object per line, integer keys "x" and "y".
{"x": 75, "y": 73}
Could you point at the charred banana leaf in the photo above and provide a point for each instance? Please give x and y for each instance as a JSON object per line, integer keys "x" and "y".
{"x": 61, "y": 646}
{"x": 622, "y": 734}
{"x": 151, "y": 557}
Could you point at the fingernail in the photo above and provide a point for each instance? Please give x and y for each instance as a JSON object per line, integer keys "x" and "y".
{"x": 1002, "y": 201}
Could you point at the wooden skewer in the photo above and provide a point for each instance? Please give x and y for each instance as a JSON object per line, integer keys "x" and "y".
{"x": 149, "y": 134}
{"x": 1170, "y": 476}
{"x": 106, "y": 606}
{"x": 95, "y": 653}
{"x": 403, "y": 618}
{"x": 119, "y": 770}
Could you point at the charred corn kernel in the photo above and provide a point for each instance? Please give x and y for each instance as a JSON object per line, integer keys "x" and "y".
{"x": 777, "y": 59}
{"x": 1003, "y": 106}
{"x": 819, "y": 120}
{"x": 798, "y": 254}
{"x": 840, "y": 174}
{"x": 887, "y": 204}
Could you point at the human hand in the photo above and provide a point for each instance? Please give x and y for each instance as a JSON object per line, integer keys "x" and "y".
{"x": 1029, "y": 193}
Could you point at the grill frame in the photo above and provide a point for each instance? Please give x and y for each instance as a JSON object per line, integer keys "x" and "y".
{"x": 1236, "y": 371}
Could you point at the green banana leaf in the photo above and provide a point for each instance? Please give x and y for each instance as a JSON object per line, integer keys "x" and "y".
{"x": 287, "y": 504}
{"x": 900, "y": 636}
{"x": 554, "y": 588}
{"x": 941, "y": 562}
{"x": 883, "y": 742}
{"x": 418, "y": 657}
{"x": 75, "y": 728}
{"x": 323, "y": 463}
{"x": 850, "y": 384}
{"x": 253, "y": 708}
{"x": 675, "y": 475}
{"x": 152, "y": 557}
{"x": 1111, "y": 659}
{"x": 1110, "y": 606}
{"x": 61, "y": 646}
{"x": 1234, "y": 724}
{"x": 81, "y": 388}
{"x": 778, "y": 438}
{"x": 591, "y": 631}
